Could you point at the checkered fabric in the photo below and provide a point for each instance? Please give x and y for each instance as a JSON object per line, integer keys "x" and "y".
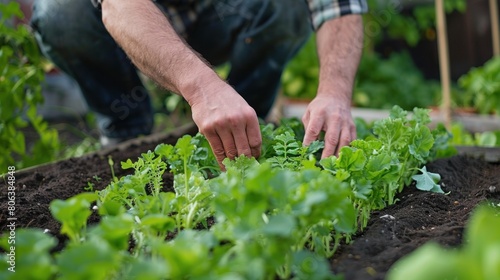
{"x": 323, "y": 10}
{"x": 184, "y": 12}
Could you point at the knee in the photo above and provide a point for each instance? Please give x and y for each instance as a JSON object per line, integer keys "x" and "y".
{"x": 61, "y": 24}
{"x": 47, "y": 16}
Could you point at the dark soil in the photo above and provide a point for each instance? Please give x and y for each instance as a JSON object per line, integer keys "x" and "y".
{"x": 419, "y": 217}
{"x": 36, "y": 187}
{"x": 392, "y": 233}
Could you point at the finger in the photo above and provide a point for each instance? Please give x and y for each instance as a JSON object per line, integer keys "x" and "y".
{"x": 331, "y": 140}
{"x": 354, "y": 133}
{"x": 254, "y": 138}
{"x": 241, "y": 141}
{"x": 345, "y": 140}
{"x": 226, "y": 136}
{"x": 313, "y": 129}
{"x": 217, "y": 147}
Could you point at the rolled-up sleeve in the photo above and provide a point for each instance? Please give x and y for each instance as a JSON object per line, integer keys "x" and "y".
{"x": 323, "y": 10}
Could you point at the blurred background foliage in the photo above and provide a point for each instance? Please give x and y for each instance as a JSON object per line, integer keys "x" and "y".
{"x": 389, "y": 74}
{"x": 21, "y": 77}
{"x": 389, "y": 77}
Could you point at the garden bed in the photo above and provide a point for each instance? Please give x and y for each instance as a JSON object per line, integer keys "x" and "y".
{"x": 394, "y": 232}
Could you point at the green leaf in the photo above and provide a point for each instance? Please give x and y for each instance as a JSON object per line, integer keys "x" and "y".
{"x": 378, "y": 165}
{"x": 421, "y": 115}
{"x": 421, "y": 143}
{"x": 127, "y": 164}
{"x": 351, "y": 159}
{"x": 393, "y": 133}
{"x": 478, "y": 258}
{"x": 397, "y": 112}
{"x": 314, "y": 147}
{"x": 158, "y": 222}
{"x": 329, "y": 163}
{"x": 427, "y": 181}
{"x": 94, "y": 259}
{"x": 307, "y": 265}
{"x": 11, "y": 9}
{"x": 73, "y": 214}
{"x": 187, "y": 256}
{"x": 142, "y": 268}
{"x": 483, "y": 231}
{"x": 184, "y": 146}
{"x": 346, "y": 221}
{"x": 433, "y": 263}
{"x": 369, "y": 146}
{"x": 486, "y": 139}
{"x": 280, "y": 225}
{"x": 165, "y": 150}
{"x": 342, "y": 174}
{"x": 311, "y": 199}
{"x": 111, "y": 208}
{"x": 32, "y": 255}
{"x": 115, "y": 230}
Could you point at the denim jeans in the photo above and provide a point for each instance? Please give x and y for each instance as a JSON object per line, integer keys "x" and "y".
{"x": 257, "y": 38}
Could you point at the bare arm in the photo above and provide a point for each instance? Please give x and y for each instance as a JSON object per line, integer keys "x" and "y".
{"x": 339, "y": 44}
{"x": 222, "y": 115}
{"x": 147, "y": 37}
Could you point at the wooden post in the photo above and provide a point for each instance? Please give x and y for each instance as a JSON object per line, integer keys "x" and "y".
{"x": 444, "y": 62}
{"x": 494, "y": 27}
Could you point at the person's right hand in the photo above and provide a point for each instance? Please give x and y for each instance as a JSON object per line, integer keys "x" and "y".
{"x": 227, "y": 121}
{"x": 221, "y": 114}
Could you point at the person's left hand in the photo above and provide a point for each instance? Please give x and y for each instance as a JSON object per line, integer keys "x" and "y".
{"x": 333, "y": 116}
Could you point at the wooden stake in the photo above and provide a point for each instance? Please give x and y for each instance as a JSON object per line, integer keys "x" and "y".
{"x": 444, "y": 62}
{"x": 494, "y": 27}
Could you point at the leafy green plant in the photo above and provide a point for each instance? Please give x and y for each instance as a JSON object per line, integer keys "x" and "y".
{"x": 21, "y": 76}
{"x": 280, "y": 216}
{"x": 73, "y": 214}
{"x": 290, "y": 153}
{"x": 383, "y": 83}
{"x": 32, "y": 255}
{"x": 478, "y": 258}
{"x": 386, "y": 19}
{"x": 380, "y": 166}
{"x": 482, "y": 87}
{"x": 380, "y": 83}
{"x": 300, "y": 78}
{"x": 462, "y": 137}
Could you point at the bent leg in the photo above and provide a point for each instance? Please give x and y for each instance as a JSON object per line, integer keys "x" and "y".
{"x": 72, "y": 35}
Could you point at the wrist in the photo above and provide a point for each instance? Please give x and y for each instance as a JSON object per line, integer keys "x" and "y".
{"x": 340, "y": 90}
{"x": 198, "y": 84}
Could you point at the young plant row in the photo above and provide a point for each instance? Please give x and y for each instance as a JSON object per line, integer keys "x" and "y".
{"x": 281, "y": 216}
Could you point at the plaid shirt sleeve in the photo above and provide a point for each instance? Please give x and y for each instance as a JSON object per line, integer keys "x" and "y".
{"x": 323, "y": 10}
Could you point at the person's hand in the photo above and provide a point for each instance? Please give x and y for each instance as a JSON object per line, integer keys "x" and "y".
{"x": 227, "y": 121}
{"x": 332, "y": 116}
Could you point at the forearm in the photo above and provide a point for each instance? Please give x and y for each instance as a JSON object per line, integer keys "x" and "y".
{"x": 340, "y": 44}
{"x": 152, "y": 44}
